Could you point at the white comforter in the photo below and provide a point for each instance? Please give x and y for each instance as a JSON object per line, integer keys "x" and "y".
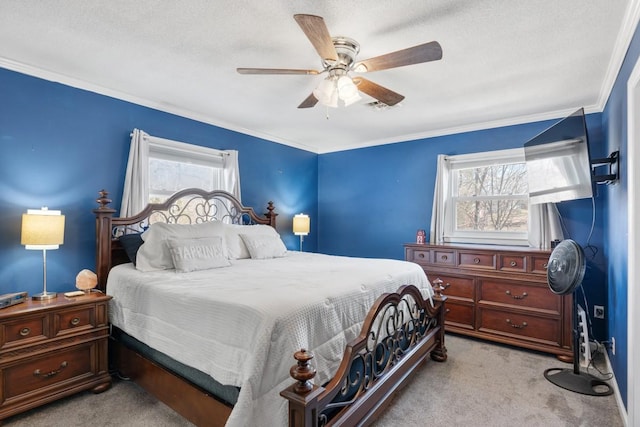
{"x": 241, "y": 324}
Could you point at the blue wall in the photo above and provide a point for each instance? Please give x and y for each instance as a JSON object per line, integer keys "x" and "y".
{"x": 59, "y": 146}
{"x": 616, "y": 216}
{"x": 372, "y": 200}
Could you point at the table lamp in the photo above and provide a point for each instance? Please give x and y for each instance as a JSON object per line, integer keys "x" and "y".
{"x": 42, "y": 230}
{"x": 301, "y": 225}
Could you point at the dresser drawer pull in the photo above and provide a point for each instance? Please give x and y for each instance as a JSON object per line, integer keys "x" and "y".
{"x": 476, "y": 260}
{"x": 513, "y": 264}
{"x": 545, "y": 265}
{"x": 513, "y": 325}
{"x": 447, "y": 310}
{"x": 444, "y": 257}
{"x": 50, "y": 374}
{"x": 420, "y": 255}
{"x": 75, "y": 321}
{"x": 24, "y": 332}
{"x": 523, "y": 296}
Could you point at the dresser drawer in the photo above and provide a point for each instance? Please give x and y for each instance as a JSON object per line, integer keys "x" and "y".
{"x": 527, "y": 327}
{"x": 26, "y": 330}
{"x": 420, "y": 256}
{"x": 514, "y": 294}
{"x": 69, "y": 321}
{"x": 477, "y": 260}
{"x": 459, "y": 315}
{"x": 539, "y": 264}
{"x": 460, "y": 287}
{"x": 443, "y": 257}
{"x": 515, "y": 263}
{"x": 47, "y": 371}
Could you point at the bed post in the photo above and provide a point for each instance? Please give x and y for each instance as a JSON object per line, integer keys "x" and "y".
{"x": 103, "y": 238}
{"x": 271, "y": 215}
{"x": 439, "y": 354}
{"x": 303, "y": 395}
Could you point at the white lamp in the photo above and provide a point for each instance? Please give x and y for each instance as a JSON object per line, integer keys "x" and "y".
{"x": 42, "y": 230}
{"x": 301, "y": 225}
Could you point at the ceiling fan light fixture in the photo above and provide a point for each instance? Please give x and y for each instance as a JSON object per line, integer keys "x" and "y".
{"x": 337, "y": 90}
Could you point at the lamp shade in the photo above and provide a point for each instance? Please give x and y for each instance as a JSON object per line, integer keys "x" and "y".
{"x": 42, "y": 229}
{"x": 301, "y": 225}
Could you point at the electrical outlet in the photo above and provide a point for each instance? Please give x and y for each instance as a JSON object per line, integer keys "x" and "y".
{"x": 598, "y": 311}
{"x": 613, "y": 345}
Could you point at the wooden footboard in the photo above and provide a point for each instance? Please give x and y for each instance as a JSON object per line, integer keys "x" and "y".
{"x": 399, "y": 332}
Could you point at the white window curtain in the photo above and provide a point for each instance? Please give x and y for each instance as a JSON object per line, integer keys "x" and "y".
{"x": 436, "y": 231}
{"x": 543, "y": 221}
{"x": 544, "y": 225}
{"x": 135, "y": 195}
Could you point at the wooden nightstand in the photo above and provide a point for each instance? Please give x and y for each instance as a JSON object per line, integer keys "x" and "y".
{"x": 52, "y": 349}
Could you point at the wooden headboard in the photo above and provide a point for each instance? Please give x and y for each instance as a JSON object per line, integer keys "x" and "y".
{"x": 188, "y": 206}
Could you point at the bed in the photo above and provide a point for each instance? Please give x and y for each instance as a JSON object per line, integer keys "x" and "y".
{"x": 248, "y": 333}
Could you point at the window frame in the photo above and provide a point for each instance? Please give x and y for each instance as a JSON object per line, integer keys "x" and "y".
{"x": 481, "y": 159}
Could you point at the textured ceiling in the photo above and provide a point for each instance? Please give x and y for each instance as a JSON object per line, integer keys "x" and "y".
{"x": 504, "y": 61}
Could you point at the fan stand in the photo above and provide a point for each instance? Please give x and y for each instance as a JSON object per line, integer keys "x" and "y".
{"x": 574, "y": 380}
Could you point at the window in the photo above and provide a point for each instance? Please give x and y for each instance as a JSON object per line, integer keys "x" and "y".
{"x": 174, "y": 166}
{"x": 487, "y": 198}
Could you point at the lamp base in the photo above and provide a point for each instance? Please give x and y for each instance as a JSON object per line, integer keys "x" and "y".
{"x": 44, "y": 296}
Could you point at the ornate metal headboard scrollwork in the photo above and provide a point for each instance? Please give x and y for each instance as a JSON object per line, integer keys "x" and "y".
{"x": 190, "y": 206}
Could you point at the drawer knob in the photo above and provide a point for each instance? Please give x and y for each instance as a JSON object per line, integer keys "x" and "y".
{"x": 513, "y": 264}
{"x": 513, "y": 325}
{"x": 545, "y": 265}
{"x": 444, "y": 257}
{"x": 24, "y": 332}
{"x": 523, "y": 296}
{"x": 420, "y": 255}
{"x": 38, "y": 373}
{"x": 476, "y": 260}
{"x": 75, "y": 321}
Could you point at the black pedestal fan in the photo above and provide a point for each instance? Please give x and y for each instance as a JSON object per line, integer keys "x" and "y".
{"x": 565, "y": 272}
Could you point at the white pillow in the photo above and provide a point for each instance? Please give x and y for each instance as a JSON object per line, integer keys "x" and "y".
{"x": 264, "y": 246}
{"x": 198, "y": 254}
{"x": 236, "y": 248}
{"x": 154, "y": 253}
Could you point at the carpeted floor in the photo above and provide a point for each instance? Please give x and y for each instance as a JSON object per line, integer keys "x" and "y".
{"x": 481, "y": 384}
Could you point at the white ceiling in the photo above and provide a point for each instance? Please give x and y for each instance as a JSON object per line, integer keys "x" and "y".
{"x": 504, "y": 61}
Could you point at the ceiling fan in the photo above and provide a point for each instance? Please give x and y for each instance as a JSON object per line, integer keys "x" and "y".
{"x": 338, "y": 55}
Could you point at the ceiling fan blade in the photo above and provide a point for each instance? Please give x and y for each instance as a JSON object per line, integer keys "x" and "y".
{"x": 275, "y": 71}
{"x": 378, "y": 92}
{"x": 318, "y": 34}
{"x": 426, "y": 52}
{"x": 310, "y": 102}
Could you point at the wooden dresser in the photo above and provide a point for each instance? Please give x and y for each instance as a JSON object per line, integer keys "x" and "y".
{"x": 499, "y": 293}
{"x": 51, "y": 349}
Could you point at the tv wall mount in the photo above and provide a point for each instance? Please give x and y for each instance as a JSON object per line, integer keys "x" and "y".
{"x": 611, "y": 163}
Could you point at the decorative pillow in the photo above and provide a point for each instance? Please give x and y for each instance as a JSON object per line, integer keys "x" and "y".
{"x": 131, "y": 243}
{"x": 236, "y": 248}
{"x": 198, "y": 254}
{"x": 264, "y": 246}
{"x": 154, "y": 253}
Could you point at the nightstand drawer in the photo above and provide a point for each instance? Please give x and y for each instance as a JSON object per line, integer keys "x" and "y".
{"x": 44, "y": 372}
{"x": 26, "y": 330}
{"x": 69, "y": 321}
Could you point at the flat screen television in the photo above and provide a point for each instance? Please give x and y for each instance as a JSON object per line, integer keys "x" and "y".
{"x": 558, "y": 162}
